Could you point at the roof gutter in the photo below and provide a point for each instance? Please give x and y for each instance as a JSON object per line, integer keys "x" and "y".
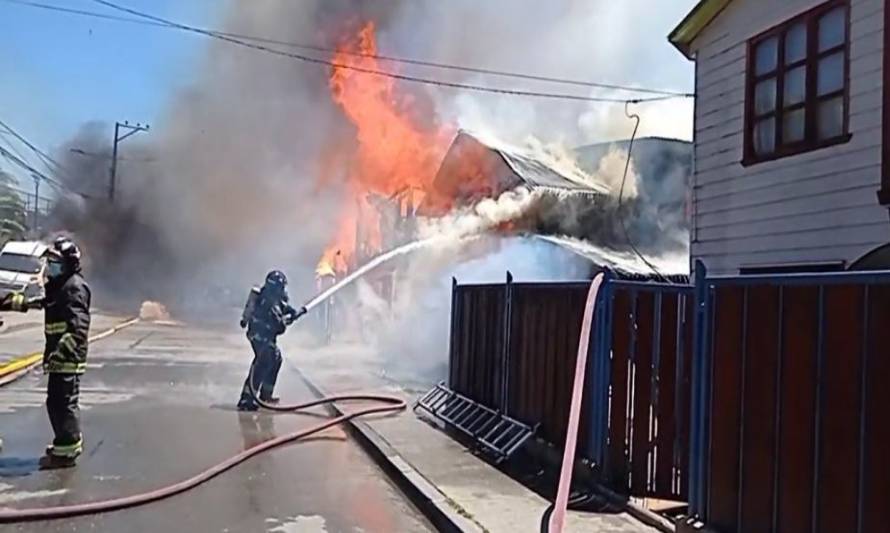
{"x": 697, "y": 20}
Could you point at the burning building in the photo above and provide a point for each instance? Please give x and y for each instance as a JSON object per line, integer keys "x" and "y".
{"x": 474, "y": 169}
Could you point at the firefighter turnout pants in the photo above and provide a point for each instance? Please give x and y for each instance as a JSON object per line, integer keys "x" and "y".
{"x": 263, "y": 370}
{"x": 62, "y": 405}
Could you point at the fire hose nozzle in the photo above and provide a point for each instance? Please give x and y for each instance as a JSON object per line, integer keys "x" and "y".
{"x": 297, "y": 314}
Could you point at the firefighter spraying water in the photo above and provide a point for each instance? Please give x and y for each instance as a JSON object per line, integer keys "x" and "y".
{"x": 267, "y": 314}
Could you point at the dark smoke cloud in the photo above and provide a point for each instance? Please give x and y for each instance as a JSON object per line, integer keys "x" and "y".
{"x": 231, "y": 189}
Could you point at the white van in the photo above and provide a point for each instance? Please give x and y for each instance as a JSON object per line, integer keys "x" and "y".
{"x": 22, "y": 268}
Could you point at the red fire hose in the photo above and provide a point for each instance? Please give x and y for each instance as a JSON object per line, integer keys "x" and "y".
{"x": 391, "y": 404}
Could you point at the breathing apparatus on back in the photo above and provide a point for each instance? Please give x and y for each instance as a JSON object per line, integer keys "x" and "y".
{"x": 276, "y": 283}
{"x": 250, "y": 306}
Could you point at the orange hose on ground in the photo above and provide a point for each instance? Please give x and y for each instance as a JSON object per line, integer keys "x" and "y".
{"x": 391, "y": 404}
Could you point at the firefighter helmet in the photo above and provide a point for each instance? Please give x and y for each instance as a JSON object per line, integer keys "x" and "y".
{"x": 67, "y": 252}
{"x": 276, "y": 279}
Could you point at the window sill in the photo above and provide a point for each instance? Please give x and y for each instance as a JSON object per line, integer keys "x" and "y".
{"x": 752, "y": 160}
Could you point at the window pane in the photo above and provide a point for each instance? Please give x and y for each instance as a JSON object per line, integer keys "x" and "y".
{"x": 793, "y": 126}
{"x": 765, "y": 137}
{"x": 831, "y": 118}
{"x": 832, "y": 29}
{"x": 796, "y": 43}
{"x": 795, "y": 86}
{"x": 766, "y": 56}
{"x": 765, "y": 97}
{"x": 831, "y": 74}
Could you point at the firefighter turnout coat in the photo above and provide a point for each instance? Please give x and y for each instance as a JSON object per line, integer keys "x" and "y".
{"x": 67, "y": 317}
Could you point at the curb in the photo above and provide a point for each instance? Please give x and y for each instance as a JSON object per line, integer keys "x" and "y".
{"x": 18, "y": 367}
{"x": 421, "y": 492}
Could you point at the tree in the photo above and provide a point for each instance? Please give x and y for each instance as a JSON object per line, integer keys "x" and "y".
{"x": 13, "y": 218}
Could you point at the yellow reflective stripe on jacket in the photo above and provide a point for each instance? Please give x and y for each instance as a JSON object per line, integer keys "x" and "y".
{"x": 63, "y": 367}
{"x": 67, "y": 343}
{"x": 18, "y": 302}
{"x": 56, "y": 328}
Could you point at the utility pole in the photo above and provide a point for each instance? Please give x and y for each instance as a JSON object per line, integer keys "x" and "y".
{"x": 130, "y": 130}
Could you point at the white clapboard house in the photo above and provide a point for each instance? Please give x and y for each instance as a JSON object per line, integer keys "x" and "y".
{"x": 792, "y": 143}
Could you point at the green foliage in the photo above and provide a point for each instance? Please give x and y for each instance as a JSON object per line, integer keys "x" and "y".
{"x": 13, "y": 218}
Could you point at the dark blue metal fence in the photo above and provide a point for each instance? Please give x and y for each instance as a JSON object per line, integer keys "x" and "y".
{"x": 784, "y": 379}
{"x": 789, "y": 425}
{"x": 639, "y": 383}
{"x": 514, "y": 348}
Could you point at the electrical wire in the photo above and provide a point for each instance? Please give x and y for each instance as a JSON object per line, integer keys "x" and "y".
{"x": 45, "y": 159}
{"x": 12, "y": 146}
{"x": 627, "y": 236}
{"x": 12, "y": 158}
{"x": 41, "y": 155}
{"x": 378, "y": 72}
{"x": 393, "y": 59}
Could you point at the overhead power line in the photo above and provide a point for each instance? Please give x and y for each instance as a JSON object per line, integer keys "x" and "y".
{"x": 12, "y": 158}
{"x": 388, "y": 58}
{"x": 18, "y": 160}
{"x": 394, "y": 75}
{"x": 51, "y": 164}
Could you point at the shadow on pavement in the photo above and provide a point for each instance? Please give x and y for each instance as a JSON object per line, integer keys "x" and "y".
{"x": 18, "y": 466}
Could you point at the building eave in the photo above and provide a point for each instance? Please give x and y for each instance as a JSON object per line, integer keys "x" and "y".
{"x": 697, "y": 20}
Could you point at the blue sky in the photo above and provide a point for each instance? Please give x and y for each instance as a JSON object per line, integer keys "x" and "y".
{"x": 60, "y": 70}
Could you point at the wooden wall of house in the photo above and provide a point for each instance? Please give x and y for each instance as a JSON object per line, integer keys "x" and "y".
{"x": 819, "y": 206}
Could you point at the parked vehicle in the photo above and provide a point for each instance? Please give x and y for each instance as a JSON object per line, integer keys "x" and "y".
{"x": 22, "y": 266}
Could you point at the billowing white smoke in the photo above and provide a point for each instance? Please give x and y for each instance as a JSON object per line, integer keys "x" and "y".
{"x": 481, "y": 217}
{"x": 411, "y": 335}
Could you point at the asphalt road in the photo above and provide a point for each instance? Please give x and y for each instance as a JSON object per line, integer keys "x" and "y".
{"x": 157, "y": 408}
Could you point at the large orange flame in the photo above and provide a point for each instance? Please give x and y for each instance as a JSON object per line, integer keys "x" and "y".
{"x": 398, "y": 149}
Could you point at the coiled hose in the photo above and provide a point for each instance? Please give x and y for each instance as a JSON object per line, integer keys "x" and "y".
{"x": 390, "y": 404}
{"x": 577, "y": 502}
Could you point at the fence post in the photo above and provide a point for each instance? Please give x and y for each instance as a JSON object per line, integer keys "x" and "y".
{"x": 599, "y": 380}
{"x": 699, "y": 423}
{"x": 505, "y": 345}
{"x": 452, "y": 344}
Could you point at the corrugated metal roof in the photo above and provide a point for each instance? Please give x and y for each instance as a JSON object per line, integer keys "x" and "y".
{"x": 542, "y": 171}
{"x": 623, "y": 261}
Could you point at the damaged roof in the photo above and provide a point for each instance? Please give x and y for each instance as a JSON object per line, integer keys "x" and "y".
{"x": 542, "y": 171}
{"x": 697, "y": 20}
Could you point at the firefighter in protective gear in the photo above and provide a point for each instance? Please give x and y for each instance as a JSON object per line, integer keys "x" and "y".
{"x": 67, "y": 324}
{"x": 270, "y": 316}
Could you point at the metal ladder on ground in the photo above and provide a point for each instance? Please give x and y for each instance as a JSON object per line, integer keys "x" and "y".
{"x": 495, "y": 433}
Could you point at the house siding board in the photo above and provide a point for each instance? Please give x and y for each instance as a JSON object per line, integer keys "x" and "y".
{"x": 816, "y": 206}
{"x": 727, "y": 259}
{"x": 794, "y": 198}
{"x": 812, "y": 221}
{"x": 854, "y": 155}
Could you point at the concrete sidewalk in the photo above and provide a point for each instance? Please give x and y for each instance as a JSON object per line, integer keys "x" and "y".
{"x": 455, "y": 484}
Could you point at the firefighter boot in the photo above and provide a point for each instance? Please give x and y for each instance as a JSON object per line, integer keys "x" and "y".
{"x": 52, "y": 462}
{"x": 249, "y": 406}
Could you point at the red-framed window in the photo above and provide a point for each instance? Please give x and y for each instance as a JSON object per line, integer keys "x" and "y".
{"x": 797, "y": 85}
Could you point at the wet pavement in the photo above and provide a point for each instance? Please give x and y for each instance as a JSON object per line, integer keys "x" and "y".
{"x": 157, "y": 408}
{"x": 485, "y": 498}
